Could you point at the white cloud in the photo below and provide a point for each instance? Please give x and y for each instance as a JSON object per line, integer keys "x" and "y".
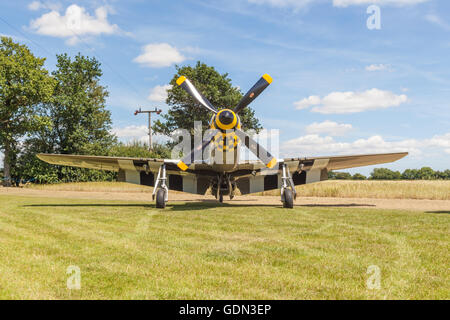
{"x": 159, "y": 93}
{"x": 352, "y": 102}
{"x": 400, "y": 3}
{"x": 75, "y": 23}
{"x": 328, "y": 127}
{"x": 159, "y": 55}
{"x": 435, "y": 19}
{"x": 314, "y": 144}
{"x": 132, "y": 133}
{"x": 378, "y": 67}
{"x": 296, "y": 4}
{"x": 299, "y": 4}
{"x": 37, "y": 5}
{"x": 136, "y": 133}
{"x": 440, "y": 141}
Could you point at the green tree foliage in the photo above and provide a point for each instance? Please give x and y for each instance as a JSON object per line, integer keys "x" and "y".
{"x": 385, "y": 174}
{"x": 79, "y": 123}
{"x": 216, "y": 87}
{"x": 426, "y": 173}
{"x": 136, "y": 149}
{"x": 410, "y": 174}
{"x": 24, "y": 85}
{"x": 343, "y": 176}
{"x": 359, "y": 176}
{"x": 331, "y": 175}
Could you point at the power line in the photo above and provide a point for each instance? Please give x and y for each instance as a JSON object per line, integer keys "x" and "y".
{"x": 124, "y": 80}
{"x": 25, "y": 36}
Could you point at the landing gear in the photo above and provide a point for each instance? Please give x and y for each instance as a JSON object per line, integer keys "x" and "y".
{"x": 288, "y": 199}
{"x": 161, "y": 198}
{"x": 288, "y": 193}
{"x": 221, "y": 198}
{"x": 160, "y": 191}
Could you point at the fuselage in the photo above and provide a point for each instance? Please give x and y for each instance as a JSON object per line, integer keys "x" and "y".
{"x": 225, "y": 153}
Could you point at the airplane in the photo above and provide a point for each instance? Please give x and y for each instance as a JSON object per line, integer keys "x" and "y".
{"x": 224, "y": 172}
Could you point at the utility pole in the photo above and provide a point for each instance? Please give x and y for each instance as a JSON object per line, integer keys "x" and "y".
{"x": 157, "y": 111}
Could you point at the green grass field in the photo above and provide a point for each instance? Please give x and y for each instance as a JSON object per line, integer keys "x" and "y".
{"x": 130, "y": 250}
{"x": 415, "y": 189}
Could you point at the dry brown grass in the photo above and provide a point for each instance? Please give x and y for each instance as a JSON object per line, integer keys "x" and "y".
{"x": 433, "y": 190}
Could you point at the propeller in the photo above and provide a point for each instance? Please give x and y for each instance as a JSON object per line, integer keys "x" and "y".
{"x": 189, "y": 88}
{"x": 255, "y": 91}
{"x": 228, "y": 120}
{"x": 258, "y": 150}
{"x": 187, "y": 160}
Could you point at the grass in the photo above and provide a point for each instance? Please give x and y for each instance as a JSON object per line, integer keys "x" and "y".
{"x": 418, "y": 189}
{"x": 434, "y": 190}
{"x": 130, "y": 250}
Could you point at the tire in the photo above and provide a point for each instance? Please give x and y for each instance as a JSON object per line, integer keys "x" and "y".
{"x": 221, "y": 198}
{"x": 288, "y": 199}
{"x": 161, "y": 198}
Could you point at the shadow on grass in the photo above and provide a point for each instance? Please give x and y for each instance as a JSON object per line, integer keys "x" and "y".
{"x": 199, "y": 205}
{"x": 439, "y": 212}
{"x": 74, "y": 205}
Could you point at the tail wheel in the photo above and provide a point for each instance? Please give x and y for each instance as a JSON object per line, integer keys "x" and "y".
{"x": 161, "y": 198}
{"x": 288, "y": 198}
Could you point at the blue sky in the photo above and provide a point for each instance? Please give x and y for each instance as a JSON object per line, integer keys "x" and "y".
{"x": 339, "y": 87}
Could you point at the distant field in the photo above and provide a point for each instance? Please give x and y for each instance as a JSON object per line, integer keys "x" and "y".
{"x": 212, "y": 251}
{"x": 422, "y": 189}
{"x": 434, "y": 190}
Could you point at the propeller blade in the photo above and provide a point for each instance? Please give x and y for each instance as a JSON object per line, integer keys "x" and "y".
{"x": 255, "y": 91}
{"x": 258, "y": 150}
{"x": 187, "y": 160}
{"x": 189, "y": 88}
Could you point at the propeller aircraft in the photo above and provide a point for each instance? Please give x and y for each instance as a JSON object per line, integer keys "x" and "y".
{"x": 224, "y": 173}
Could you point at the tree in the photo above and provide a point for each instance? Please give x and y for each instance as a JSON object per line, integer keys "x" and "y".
{"x": 80, "y": 122}
{"x": 216, "y": 87}
{"x": 331, "y": 175}
{"x": 385, "y": 174}
{"x": 24, "y": 84}
{"x": 410, "y": 174}
{"x": 426, "y": 173}
{"x": 343, "y": 176}
{"x": 359, "y": 176}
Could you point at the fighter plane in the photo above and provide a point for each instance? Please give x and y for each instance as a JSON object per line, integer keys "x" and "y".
{"x": 223, "y": 172}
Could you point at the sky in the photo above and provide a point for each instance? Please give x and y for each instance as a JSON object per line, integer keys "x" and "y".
{"x": 349, "y": 76}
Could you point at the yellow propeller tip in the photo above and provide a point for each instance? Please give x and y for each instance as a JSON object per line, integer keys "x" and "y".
{"x": 180, "y": 80}
{"x": 272, "y": 163}
{"x": 182, "y": 166}
{"x": 267, "y": 78}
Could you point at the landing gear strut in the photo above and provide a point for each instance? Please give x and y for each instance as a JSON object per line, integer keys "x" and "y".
{"x": 160, "y": 191}
{"x": 288, "y": 193}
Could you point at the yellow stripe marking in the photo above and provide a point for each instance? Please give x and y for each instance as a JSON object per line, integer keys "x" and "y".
{"x": 272, "y": 163}
{"x": 182, "y": 166}
{"x": 180, "y": 80}
{"x": 267, "y": 78}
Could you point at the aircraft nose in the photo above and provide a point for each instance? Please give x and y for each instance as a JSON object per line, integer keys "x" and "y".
{"x": 226, "y": 117}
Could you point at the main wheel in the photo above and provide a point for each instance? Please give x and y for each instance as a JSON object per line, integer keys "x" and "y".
{"x": 221, "y": 198}
{"x": 161, "y": 198}
{"x": 288, "y": 199}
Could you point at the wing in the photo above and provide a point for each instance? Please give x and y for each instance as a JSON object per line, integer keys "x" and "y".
{"x": 141, "y": 171}
{"x": 252, "y": 177}
{"x": 345, "y": 162}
